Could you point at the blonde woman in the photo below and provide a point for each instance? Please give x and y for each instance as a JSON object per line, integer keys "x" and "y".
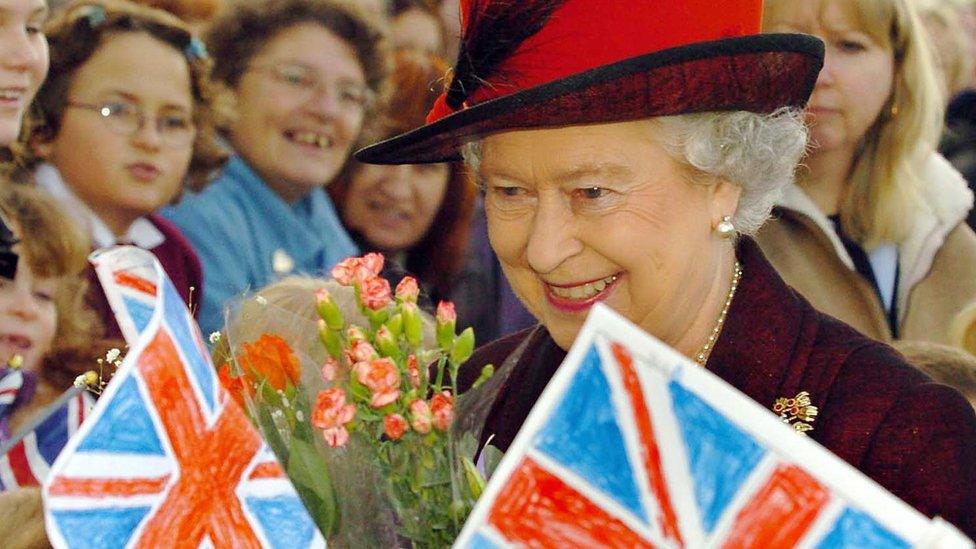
{"x": 873, "y": 232}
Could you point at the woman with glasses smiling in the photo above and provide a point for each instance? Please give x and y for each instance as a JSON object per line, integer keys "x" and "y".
{"x": 304, "y": 74}
{"x": 118, "y": 135}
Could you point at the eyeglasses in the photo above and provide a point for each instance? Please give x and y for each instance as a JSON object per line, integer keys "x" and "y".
{"x": 306, "y": 81}
{"x": 175, "y": 129}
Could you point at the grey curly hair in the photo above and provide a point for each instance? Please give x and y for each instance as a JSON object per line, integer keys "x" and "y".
{"x": 758, "y": 152}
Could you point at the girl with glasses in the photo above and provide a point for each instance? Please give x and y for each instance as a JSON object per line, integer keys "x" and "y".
{"x": 125, "y": 120}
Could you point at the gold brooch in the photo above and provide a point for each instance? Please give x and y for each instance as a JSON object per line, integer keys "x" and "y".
{"x": 797, "y": 412}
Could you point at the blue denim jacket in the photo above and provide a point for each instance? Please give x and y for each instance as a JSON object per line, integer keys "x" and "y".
{"x": 248, "y": 237}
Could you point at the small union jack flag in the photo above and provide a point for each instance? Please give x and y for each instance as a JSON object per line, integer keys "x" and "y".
{"x": 25, "y": 460}
{"x": 632, "y": 445}
{"x": 167, "y": 458}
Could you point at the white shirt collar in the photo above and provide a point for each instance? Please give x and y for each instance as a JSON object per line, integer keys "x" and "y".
{"x": 142, "y": 232}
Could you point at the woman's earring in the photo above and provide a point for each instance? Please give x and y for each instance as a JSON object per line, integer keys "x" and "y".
{"x": 725, "y": 228}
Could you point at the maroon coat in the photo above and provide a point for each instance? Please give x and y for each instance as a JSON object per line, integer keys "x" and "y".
{"x": 179, "y": 260}
{"x": 914, "y": 437}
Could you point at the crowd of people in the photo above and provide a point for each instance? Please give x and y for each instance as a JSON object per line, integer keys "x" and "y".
{"x": 220, "y": 136}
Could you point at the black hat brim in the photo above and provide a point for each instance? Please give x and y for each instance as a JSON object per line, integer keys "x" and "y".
{"x": 757, "y": 73}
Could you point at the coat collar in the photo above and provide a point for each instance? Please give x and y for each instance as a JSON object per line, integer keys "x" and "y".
{"x": 944, "y": 203}
{"x": 298, "y": 227}
{"x": 765, "y": 326}
{"x": 142, "y": 232}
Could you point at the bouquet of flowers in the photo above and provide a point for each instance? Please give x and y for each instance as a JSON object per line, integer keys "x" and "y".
{"x": 367, "y": 438}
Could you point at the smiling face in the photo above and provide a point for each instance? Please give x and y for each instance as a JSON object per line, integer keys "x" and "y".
{"x": 28, "y": 315}
{"x": 123, "y": 177}
{"x": 23, "y": 61}
{"x": 417, "y": 29}
{"x": 857, "y": 77}
{"x": 393, "y": 207}
{"x": 301, "y": 109}
{"x": 602, "y": 213}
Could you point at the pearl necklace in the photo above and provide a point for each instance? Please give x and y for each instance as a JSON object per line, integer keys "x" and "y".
{"x": 706, "y": 350}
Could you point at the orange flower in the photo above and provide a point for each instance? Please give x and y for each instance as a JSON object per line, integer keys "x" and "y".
{"x": 381, "y": 377}
{"x": 238, "y": 387}
{"x": 394, "y": 425}
{"x": 272, "y": 359}
{"x": 442, "y": 408}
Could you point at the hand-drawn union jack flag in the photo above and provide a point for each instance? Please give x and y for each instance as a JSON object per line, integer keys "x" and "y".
{"x": 27, "y": 462}
{"x": 632, "y": 446}
{"x": 167, "y": 458}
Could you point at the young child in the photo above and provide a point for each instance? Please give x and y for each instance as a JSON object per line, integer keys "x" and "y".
{"x": 44, "y": 322}
{"x": 125, "y": 119}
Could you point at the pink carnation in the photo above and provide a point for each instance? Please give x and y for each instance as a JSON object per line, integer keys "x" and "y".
{"x": 330, "y": 369}
{"x": 408, "y": 290}
{"x": 345, "y": 272}
{"x": 357, "y": 269}
{"x": 381, "y": 377}
{"x": 413, "y": 371}
{"x": 355, "y": 333}
{"x": 394, "y": 425}
{"x": 336, "y": 437}
{"x": 446, "y": 313}
{"x": 373, "y": 263}
{"x": 442, "y": 408}
{"x": 361, "y": 351}
{"x": 420, "y": 416}
{"x": 331, "y": 414}
{"x": 375, "y": 293}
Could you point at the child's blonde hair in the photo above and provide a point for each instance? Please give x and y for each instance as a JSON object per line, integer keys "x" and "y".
{"x": 54, "y": 247}
{"x": 944, "y": 364}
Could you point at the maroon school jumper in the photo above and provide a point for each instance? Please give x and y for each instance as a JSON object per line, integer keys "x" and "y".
{"x": 179, "y": 260}
{"x": 914, "y": 437}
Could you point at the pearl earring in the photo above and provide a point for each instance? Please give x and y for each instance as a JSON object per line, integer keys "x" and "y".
{"x": 725, "y": 228}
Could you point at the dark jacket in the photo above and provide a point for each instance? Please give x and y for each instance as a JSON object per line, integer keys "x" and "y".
{"x": 914, "y": 437}
{"x": 179, "y": 260}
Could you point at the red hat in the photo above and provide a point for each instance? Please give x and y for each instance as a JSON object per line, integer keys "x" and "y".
{"x": 545, "y": 63}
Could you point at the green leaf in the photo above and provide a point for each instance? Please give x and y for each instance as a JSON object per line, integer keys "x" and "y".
{"x": 308, "y": 471}
{"x": 493, "y": 456}
{"x": 476, "y": 484}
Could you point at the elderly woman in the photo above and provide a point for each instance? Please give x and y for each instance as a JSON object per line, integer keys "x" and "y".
{"x": 874, "y": 232}
{"x": 626, "y": 156}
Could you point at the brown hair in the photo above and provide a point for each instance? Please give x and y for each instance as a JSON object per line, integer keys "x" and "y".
{"x": 76, "y": 33}
{"x": 944, "y": 364}
{"x": 54, "y": 247}
{"x": 235, "y": 39}
{"x": 441, "y": 253}
{"x": 188, "y": 10}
